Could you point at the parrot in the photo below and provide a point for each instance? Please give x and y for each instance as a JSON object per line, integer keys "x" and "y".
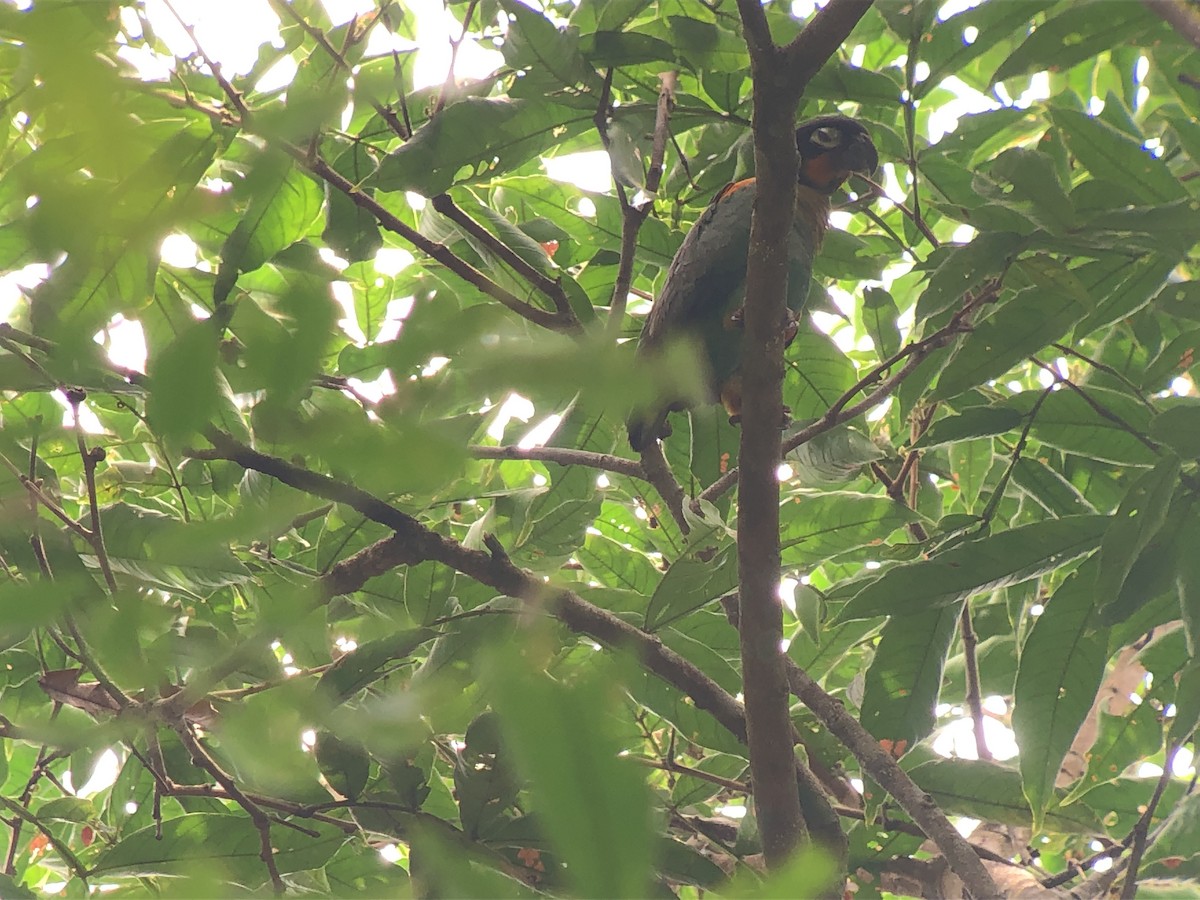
{"x": 704, "y": 292}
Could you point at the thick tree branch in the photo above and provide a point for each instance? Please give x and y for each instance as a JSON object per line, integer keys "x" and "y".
{"x": 780, "y": 77}
{"x": 1181, "y": 15}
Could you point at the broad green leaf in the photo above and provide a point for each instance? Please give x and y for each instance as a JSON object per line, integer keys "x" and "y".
{"x": 1111, "y": 155}
{"x": 595, "y": 805}
{"x": 365, "y": 664}
{"x": 1061, "y": 666}
{"x": 879, "y": 315}
{"x": 1142, "y": 512}
{"x": 972, "y": 422}
{"x": 221, "y": 845}
{"x": 905, "y": 676}
{"x": 1179, "y": 839}
{"x": 834, "y": 456}
{"x": 964, "y": 268}
{"x": 1078, "y": 33}
{"x": 1096, "y": 423}
{"x": 476, "y": 139}
{"x": 1121, "y": 742}
{"x": 1188, "y": 582}
{"x": 816, "y": 527}
{"x": 818, "y": 374}
{"x": 284, "y": 201}
{"x": 1179, "y": 428}
{"x": 1049, "y": 488}
{"x": 992, "y": 792}
{"x": 948, "y": 578}
{"x": 690, "y": 583}
{"x": 1029, "y": 321}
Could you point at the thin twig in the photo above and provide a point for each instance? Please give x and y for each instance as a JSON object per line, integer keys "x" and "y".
{"x": 1142, "y": 829}
{"x": 91, "y": 457}
{"x": 564, "y": 456}
{"x": 448, "y": 84}
{"x": 262, "y": 822}
{"x": 550, "y": 287}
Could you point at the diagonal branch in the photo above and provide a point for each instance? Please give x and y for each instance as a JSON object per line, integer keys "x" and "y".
{"x": 456, "y": 264}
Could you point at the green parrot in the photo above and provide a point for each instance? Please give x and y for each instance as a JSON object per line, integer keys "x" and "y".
{"x": 705, "y": 289}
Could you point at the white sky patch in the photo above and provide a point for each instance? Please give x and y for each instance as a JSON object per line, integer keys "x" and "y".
{"x": 126, "y": 343}
{"x": 391, "y": 853}
{"x": 235, "y": 47}
{"x": 540, "y": 432}
{"x": 957, "y": 739}
{"x": 11, "y": 286}
{"x": 589, "y": 170}
{"x": 967, "y": 101}
{"x": 397, "y": 312}
{"x": 435, "y": 365}
{"x": 179, "y": 250}
{"x": 344, "y": 10}
{"x": 435, "y": 28}
{"x": 787, "y": 593}
{"x": 103, "y": 774}
{"x": 278, "y": 77}
{"x": 514, "y": 407}
{"x": 391, "y": 261}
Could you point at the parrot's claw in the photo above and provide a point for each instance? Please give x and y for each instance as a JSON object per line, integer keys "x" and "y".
{"x": 785, "y": 418}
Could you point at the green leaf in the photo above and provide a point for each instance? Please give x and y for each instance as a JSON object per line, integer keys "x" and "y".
{"x": 1108, "y": 429}
{"x": 595, "y": 806}
{"x": 965, "y": 267}
{"x": 992, "y": 793}
{"x": 185, "y": 388}
{"x": 948, "y": 578}
{"x": 1179, "y": 839}
{"x": 818, "y": 374}
{"x": 1061, "y": 666}
{"x": 690, "y": 583}
{"x": 817, "y": 527}
{"x": 1112, "y": 155}
{"x": 1049, "y": 488}
{"x": 972, "y": 422}
{"x": 1178, "y": 428}
{"x": 905, "y": 676}
{"x": 362, "y": 666}
{"x": 1142, "y": 512}
{"x": 879, "y": 315}
{"x": 476, "y": 139}
{"x": 1121, "y": 742}
{"x": 284, "y": 202}
{"x": 1029, "y": 321}
{"x": 1188, "y": 582}
{"x": 217, "y": 846}
{"x": 833, "y": 456}
{"x": 1076, "y": 34}
{"x": 346, "y": 766}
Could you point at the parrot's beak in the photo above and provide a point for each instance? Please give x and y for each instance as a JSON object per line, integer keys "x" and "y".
{"x": 861, "y": 156}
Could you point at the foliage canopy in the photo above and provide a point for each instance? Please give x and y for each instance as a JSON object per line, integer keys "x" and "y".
{"x": 478, "y": 636}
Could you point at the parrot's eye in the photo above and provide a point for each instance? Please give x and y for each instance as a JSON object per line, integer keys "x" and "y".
{"x": 827, "y": 138}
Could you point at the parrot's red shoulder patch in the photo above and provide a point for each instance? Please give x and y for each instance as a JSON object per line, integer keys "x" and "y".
{"x": 731, "y": 187}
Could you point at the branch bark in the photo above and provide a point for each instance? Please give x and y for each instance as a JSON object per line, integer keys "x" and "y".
{"x": 780, "y": 76}
{"x": 1181, "y": 15}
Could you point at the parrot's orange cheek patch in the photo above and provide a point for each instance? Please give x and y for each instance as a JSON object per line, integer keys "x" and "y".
{"x": 822, "y": 173}
{"x": 731, "y": 396}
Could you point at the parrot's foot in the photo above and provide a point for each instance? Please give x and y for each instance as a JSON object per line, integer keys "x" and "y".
{"x": 785, "y": 418}
{"x": 737, "y": 320}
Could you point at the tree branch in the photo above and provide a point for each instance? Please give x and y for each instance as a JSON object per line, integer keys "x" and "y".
{"x": 564, "y": 456}
{"x": 460, "y": 267}
{"x": 780, "y": 77}
{"x": 1181, "y": 15}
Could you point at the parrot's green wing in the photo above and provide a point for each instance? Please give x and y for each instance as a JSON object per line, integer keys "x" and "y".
{"x": 705, "y": 286}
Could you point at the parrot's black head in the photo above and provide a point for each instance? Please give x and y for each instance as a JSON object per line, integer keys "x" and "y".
{"x": 831, "y": 148}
